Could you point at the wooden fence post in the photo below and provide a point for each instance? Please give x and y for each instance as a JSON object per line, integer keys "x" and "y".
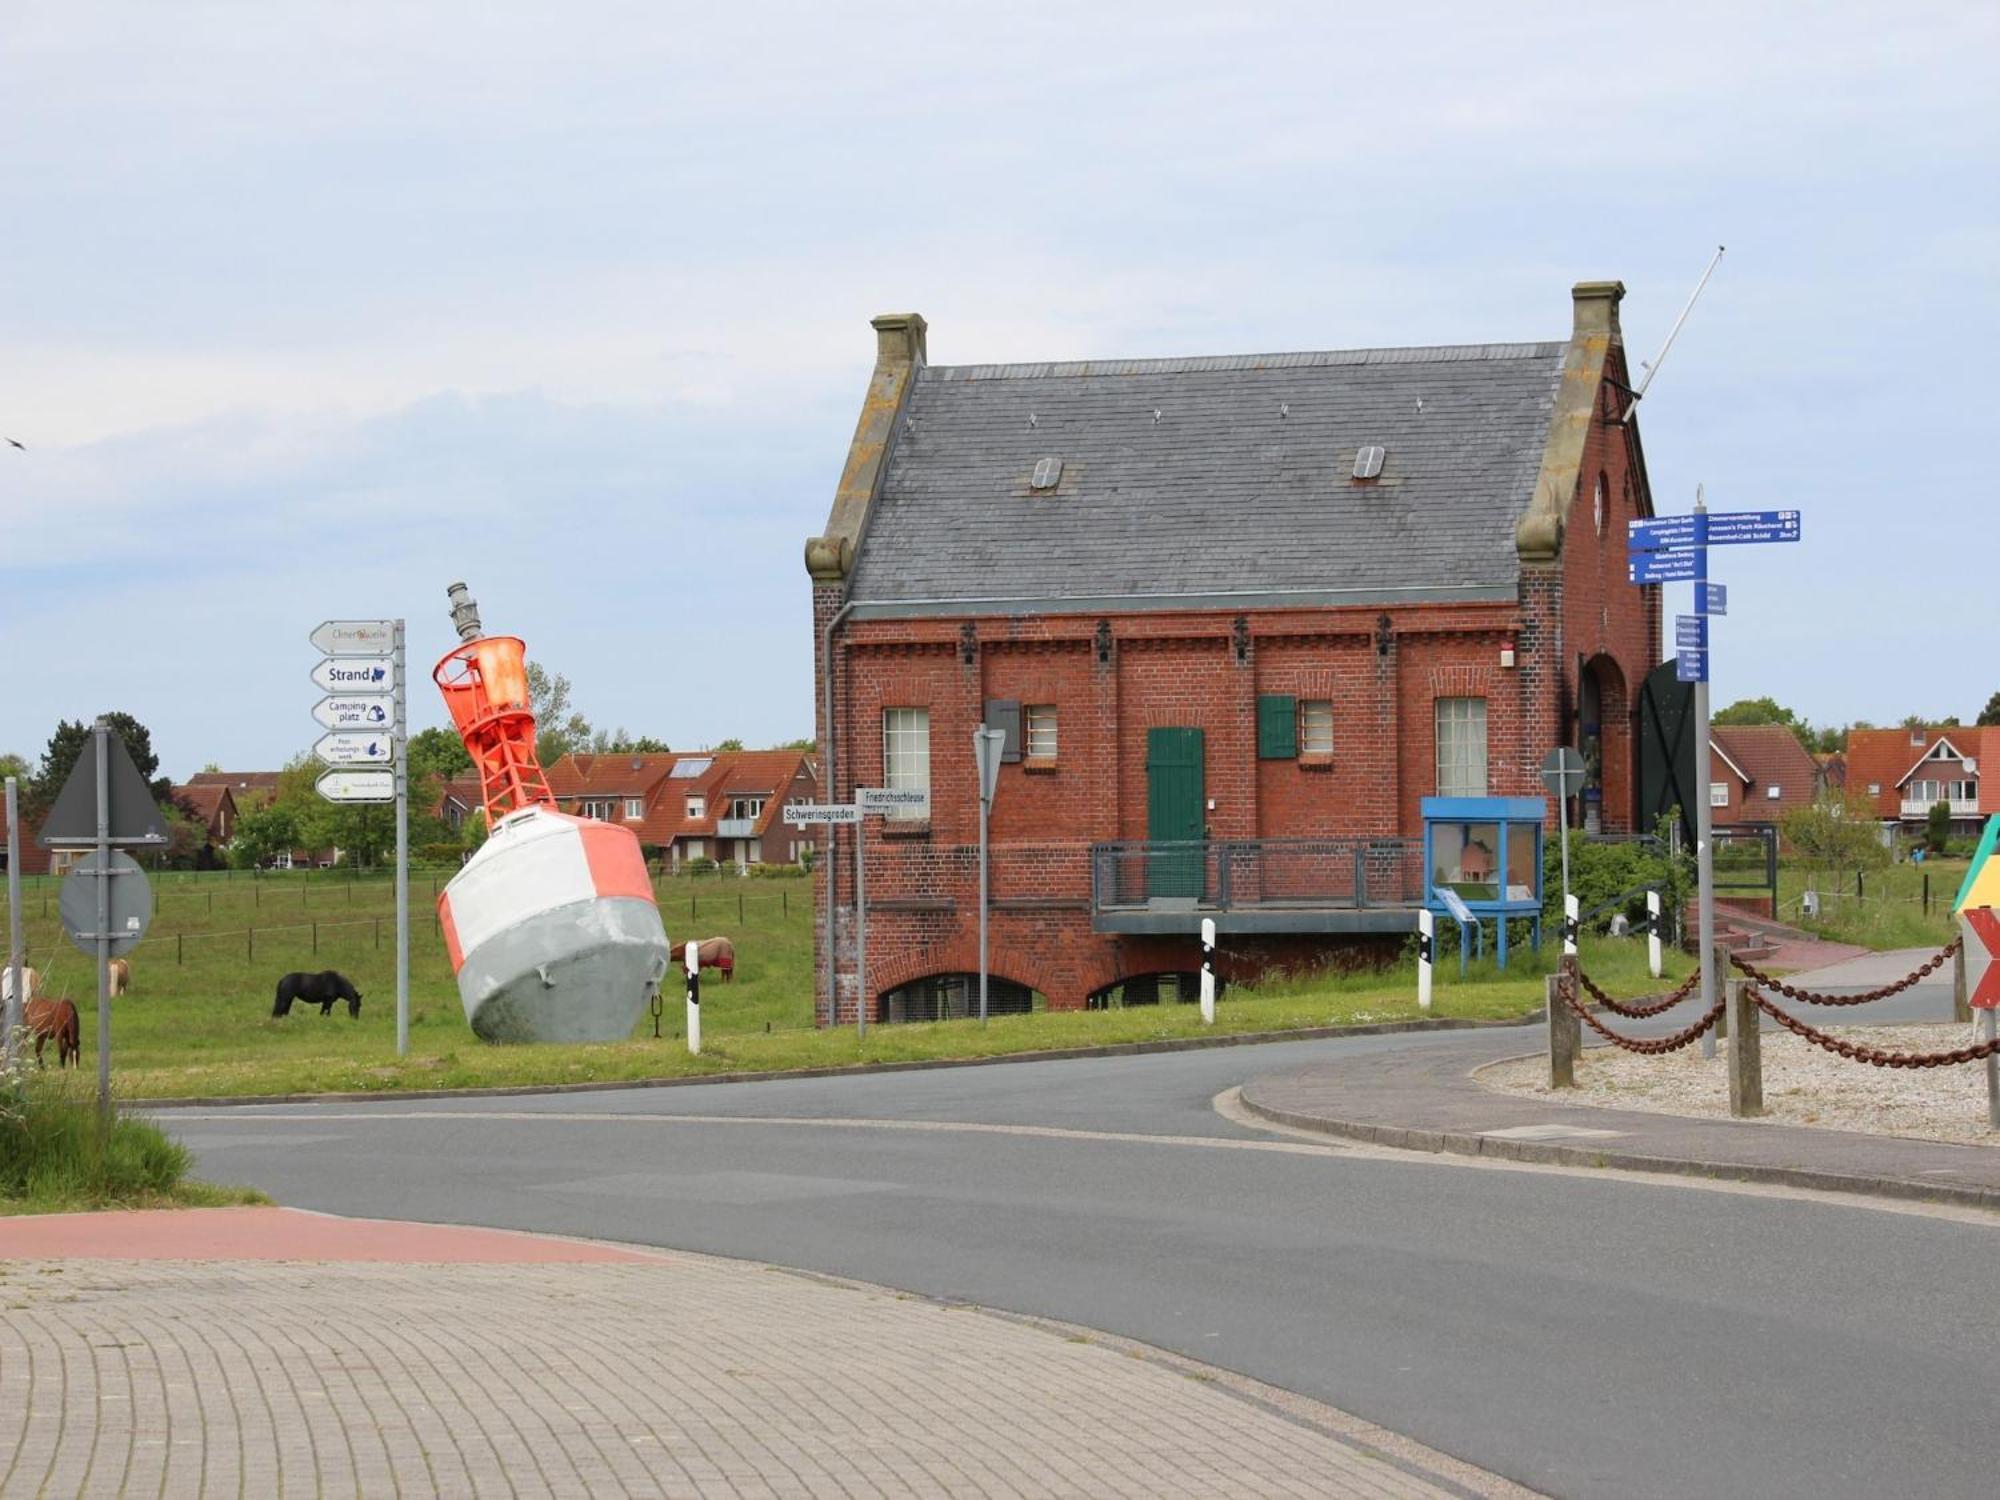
{"x": 1722, "y": 984}
{"x": 1565, "y": 1035}
{"x": 1961, "y": 1007}
{"x": 1746, "y": 1052}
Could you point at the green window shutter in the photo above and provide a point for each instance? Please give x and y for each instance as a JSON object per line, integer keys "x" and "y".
{"x": 1277, "y": 727}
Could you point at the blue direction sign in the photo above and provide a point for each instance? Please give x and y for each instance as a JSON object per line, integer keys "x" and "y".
{"x": 1711, "y": 598}
{"x": 1691, "y": 632}
{"x": 1691, "y": 665}
{"x": 1660, "y": 532}
{"x": 1739, "y": 527}
{"x": 1663, "y": 567}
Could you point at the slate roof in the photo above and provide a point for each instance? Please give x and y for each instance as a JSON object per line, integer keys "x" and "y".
{"x": 1241, "y": 483}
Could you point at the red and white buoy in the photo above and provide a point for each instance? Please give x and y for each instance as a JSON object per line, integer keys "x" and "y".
{"x": 551, "y": 925}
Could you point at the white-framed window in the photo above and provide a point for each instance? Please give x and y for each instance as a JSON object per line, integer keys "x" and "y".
{"x": 1718, "y": 794}
{"x": 597, "y": 807}
{"x": 697, "y": 848}
{"x": 1041, "y": 730}
{"x": 697, "y": 807}
{"x": 1773, "y": 792}
{"x": 746, "y": 807}
{"x": 1315, "y": 726}
{"x": 635, "y": 809}
{"x": 1874, "y": 788}
{"x": 906, "y": 753}
{"x": 1461, "y": 747}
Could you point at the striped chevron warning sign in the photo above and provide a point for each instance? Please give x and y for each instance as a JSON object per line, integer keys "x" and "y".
{"x": 1980, "y": 928}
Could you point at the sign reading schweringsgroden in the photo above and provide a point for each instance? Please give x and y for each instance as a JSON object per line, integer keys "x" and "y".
{"x": 801, "y": 813}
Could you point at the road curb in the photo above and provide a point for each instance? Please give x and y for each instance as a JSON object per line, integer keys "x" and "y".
{"x": 1468, "y": 1143}
{"x": 768, "y": 1075}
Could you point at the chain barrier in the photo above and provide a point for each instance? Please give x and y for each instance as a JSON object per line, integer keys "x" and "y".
{"x": 1637, "y": 1010}
{"x": 1649, "y": 1047}
{"x": 1874, "y": 1056}
{"x": 1814, "y": 997}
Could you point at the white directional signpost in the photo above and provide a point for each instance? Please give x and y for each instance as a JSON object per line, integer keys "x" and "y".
{"x": 808, "y": 814}
{"x": 1670, "y": 549}
{"x": 1563, "y": 772}
{"x": 367, "y": 711}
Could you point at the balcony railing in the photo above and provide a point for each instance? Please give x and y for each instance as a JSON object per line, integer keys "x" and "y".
{"x": 1258, "y": 874}
{"x": 1961, "y": 807}
{"x": 736, "y": 828}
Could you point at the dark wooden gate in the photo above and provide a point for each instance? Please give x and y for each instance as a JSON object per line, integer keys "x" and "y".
{"x": 1670, "y": 767}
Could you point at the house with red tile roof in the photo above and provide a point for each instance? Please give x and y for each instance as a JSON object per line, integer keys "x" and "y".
{"x": 1905, "y": 772}
{"x": 213, "y": 807}
{"x": 721, "y": 805}
{"x": 1757, "y": 773}
{"x": 247, "y": 789}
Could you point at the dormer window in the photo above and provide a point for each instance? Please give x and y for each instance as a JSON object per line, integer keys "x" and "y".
{"x": 697, "y": 807}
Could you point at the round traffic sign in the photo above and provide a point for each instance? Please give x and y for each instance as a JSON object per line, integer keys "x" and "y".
{"x": 1563, "y": 772}
{"x": 131, "y": 903}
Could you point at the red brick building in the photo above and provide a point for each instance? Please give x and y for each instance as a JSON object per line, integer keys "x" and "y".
{"x": 720, "y": 805}
{"x": 1237, "y": 616}
{"x": 1906, "y": 772}
{"x": 1758, "y": 772}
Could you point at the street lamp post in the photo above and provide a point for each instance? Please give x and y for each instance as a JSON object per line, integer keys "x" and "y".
{"x": 986, "y": 747}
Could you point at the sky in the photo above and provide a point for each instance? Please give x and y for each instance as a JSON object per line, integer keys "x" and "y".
{"x": 308, "y": 310}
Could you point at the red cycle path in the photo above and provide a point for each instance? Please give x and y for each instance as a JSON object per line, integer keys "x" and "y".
{"x": 287, "y": 1234}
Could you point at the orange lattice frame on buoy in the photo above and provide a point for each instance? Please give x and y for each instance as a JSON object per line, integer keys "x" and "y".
{"x": 485, "y": 687}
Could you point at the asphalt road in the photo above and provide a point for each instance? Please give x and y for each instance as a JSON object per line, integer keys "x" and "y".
{"x": 1581, "y": 1335}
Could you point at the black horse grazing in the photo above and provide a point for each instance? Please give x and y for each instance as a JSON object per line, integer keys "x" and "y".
{"x": 320, "y": 989}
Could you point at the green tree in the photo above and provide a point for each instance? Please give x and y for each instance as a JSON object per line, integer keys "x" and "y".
{"x": 618, "y": 742}
{"x": 438, "y": 753}
{"x": 14, "y": 765}
{"x": 1837, "y": 832}
{"x": 559, "y": 729}
{"x": 1768, "y": 711}
{"x": 805, "y": 744}
{"x": 1937, "y": 827}
{"x": 730, "y": 744}
{"x": 1991, "y": 713}
{"x": 65, "y": 747}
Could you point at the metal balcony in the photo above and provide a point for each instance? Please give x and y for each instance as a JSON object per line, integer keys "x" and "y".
{"x": 736, "y": 828}
{"x": 1258, "y": 885}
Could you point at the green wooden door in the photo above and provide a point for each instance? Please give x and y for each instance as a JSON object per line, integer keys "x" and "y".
{"x": 1175, "y": 800}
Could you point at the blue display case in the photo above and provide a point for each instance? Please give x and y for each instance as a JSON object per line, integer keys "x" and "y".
{"x": 1483, "y": 856}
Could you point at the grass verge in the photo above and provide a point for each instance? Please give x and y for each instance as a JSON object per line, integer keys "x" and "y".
{"x": 463, "y": 1062}
{"x": 57, "y": 1157}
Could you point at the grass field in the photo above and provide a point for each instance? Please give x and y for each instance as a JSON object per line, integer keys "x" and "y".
{"x": 1885, "y": 911}
{"x": 198, "y": 1019}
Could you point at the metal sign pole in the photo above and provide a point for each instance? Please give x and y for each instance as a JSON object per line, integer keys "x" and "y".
{"x": 860, "y": 927}
{"x": 16, "y": 959}
{"x": 1562, "y": 819}
{"x": 1704, "y": 818}
{"x": 101, "y": 732}
{"x": 399, "y": 738}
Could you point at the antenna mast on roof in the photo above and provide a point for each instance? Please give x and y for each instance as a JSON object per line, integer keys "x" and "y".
{"x": 1672, "y": 334}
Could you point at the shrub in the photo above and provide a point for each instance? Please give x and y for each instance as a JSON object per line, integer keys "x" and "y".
{"x": 698, "y": 867}
{"x": 54, "y": 1152}
{"x": 1937, "y": 827}
{"x": 778, "y": 872}
{"x": 1601, "y": 872}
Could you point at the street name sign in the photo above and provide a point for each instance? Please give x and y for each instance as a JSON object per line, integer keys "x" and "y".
{"x": 129, "y": 902}
{"x": 1691, "y": 632}
{"x": 883, "y": 799}
{"x": 357, "y": 786}
{"x": 1691, "y": 665}
{"x": 1663, "y": 567}
{"x": 355, "y": 637}
{"x": 355, "y": 674}
{"x": 344, "y": 749}
{"x": 802, "y": 813}
{"x": 356, "y": 711}
{"x": 1711, "y": 599}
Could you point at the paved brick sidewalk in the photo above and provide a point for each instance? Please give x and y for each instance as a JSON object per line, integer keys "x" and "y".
{"x": 535, "y": 1366}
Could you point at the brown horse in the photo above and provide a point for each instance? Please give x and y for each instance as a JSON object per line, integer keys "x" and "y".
{"x": 47, "y": 1018}
{"x": 121, "y": 978}
{"x": 716, "y": 954}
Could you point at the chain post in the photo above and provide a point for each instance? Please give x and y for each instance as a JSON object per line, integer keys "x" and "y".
{"x": 1746, "y": 1052}
{"x": 1565, "y": 1036}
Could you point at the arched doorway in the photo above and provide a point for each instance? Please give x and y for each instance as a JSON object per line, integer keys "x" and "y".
{"x": 1604, "y": 739}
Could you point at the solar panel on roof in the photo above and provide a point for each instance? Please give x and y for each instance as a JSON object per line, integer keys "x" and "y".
{"x": 684, "y": 769}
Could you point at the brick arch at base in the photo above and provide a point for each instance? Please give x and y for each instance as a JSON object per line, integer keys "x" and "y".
{"x": 1065, "y": 964}
{"x": 1618, "y": 747}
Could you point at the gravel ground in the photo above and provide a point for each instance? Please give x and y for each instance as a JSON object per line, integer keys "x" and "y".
{"x": 1803, "y": 1084}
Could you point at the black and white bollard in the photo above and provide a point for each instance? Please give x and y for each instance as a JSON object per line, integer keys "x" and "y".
{"x": 694, "y": 998}
{"x": 1653, "y": 932}
{"x": 1208, "y": 971}
{"x": 1572, "y": 920}
{"x": 1426, "y": 955}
